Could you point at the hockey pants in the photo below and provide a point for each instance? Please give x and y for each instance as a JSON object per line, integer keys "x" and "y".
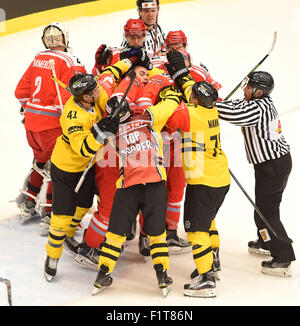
{"x": 175, "y": 189}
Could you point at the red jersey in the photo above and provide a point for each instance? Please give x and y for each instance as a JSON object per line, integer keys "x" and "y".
{"x": 37, "y": 92}
{"x": 198, "y": 73}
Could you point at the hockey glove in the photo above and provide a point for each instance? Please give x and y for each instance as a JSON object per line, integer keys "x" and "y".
{"x": 102, "y": 57}
{"x": 137, "y": 56}
{"x": 144, "y": 60}
{"x": 177, "y": 69}
{"x": 104, "y": 128}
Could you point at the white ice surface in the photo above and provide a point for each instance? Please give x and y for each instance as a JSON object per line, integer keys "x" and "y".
{"x": 230, "y": 37}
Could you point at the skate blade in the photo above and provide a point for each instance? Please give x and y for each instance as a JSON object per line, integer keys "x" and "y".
{"x": 85, "y": 262}
{"x": 174, "y": 250}
{"x": 259, "y": 252}
{"x": 282, "y": 272}
{"x": 48, "y": 277}
{"x": 165, "y": 291}
{"x": 203, "y": 293}
{"x": 97, "y": 290}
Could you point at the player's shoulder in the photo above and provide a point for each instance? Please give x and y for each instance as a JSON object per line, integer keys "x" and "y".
{"x": 69, "y": 59}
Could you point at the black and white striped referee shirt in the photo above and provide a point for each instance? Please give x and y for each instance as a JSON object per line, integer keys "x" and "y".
{"x": 261, "y": 127}
{"x": 150, "y": 40}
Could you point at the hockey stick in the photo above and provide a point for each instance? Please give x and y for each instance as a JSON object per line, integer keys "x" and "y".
{"x": 60, "y": 83}
{"x": 8, "y": 286}
{"x": 260, "y": 62}
{"x": 52, "y": 64}
{"x": 285, "y": 239}
{"x": 131, "y": 74}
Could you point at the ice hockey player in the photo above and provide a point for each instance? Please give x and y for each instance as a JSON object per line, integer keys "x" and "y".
{"x": 43, "y": 103}
{"x": 106, "y": 175}
{"x": 134, "y": 34}
{"x": 176, "y": 187}
{"x": 141, "y": 186}
{"x": 205, "y": 168}
{"x": 177, "y": 40}
{"x": 268, "y": 151}
{"x": 148, "y": 11}
{"x": 83, "y": 133}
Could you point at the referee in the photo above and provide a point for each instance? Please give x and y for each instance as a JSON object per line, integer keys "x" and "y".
{"x": 268, "y": 151}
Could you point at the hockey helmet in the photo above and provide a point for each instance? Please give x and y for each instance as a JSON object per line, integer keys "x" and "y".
{"x": 135, "y": 27}
{"x": 146, "y": 4}
{"x": 112, "y": 105}
{"x": 261, "y": 80}
{"x": 55, "y": 34}
{"x": 206, "y": 94}
{"x": 82, "y": 84}
{"x": 176, "y": 37}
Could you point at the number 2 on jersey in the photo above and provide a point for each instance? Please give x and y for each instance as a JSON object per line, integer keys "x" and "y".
{"x": 38, "y": 84}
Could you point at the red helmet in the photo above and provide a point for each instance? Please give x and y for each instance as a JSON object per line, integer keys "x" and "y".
{"x": 135, "y": 27}
{"x": 176, "y": 37}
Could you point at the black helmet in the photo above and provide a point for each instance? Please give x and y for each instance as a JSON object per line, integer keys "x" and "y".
{"x": 144, "y": 4}
{"x": 81, "y": 84}
{"x": 125, "y": 112}
{"x": 206, "y": 94}
{"x": 261, "y": 80}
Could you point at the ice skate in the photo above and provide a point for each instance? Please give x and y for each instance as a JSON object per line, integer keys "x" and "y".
{"x": 27, "y": 209}
{"x": 50, "y": 268}
{"x": 88, "y": 256}
{"x": 176, "y": 244}
{"x": 254, "y": 247}
{"x": 71, "y": 245}
{"x": 45, "y": 223}
{"x": 202, "y": 286}
{"x": 277, "y": 268}
{"x": 164, "y": 281}
{"x": 103, "y": 280}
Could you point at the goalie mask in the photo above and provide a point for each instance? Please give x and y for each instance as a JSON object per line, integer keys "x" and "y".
{"x": 125, "y": 112}
{"x": 205, "y": 93}
{"x": 55, "y": 34}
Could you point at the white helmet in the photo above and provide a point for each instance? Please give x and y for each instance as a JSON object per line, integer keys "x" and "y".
{"x": 55, "y": 34}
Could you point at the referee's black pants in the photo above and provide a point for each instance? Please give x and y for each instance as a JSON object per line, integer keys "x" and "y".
{"x": 271, "y": 178}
